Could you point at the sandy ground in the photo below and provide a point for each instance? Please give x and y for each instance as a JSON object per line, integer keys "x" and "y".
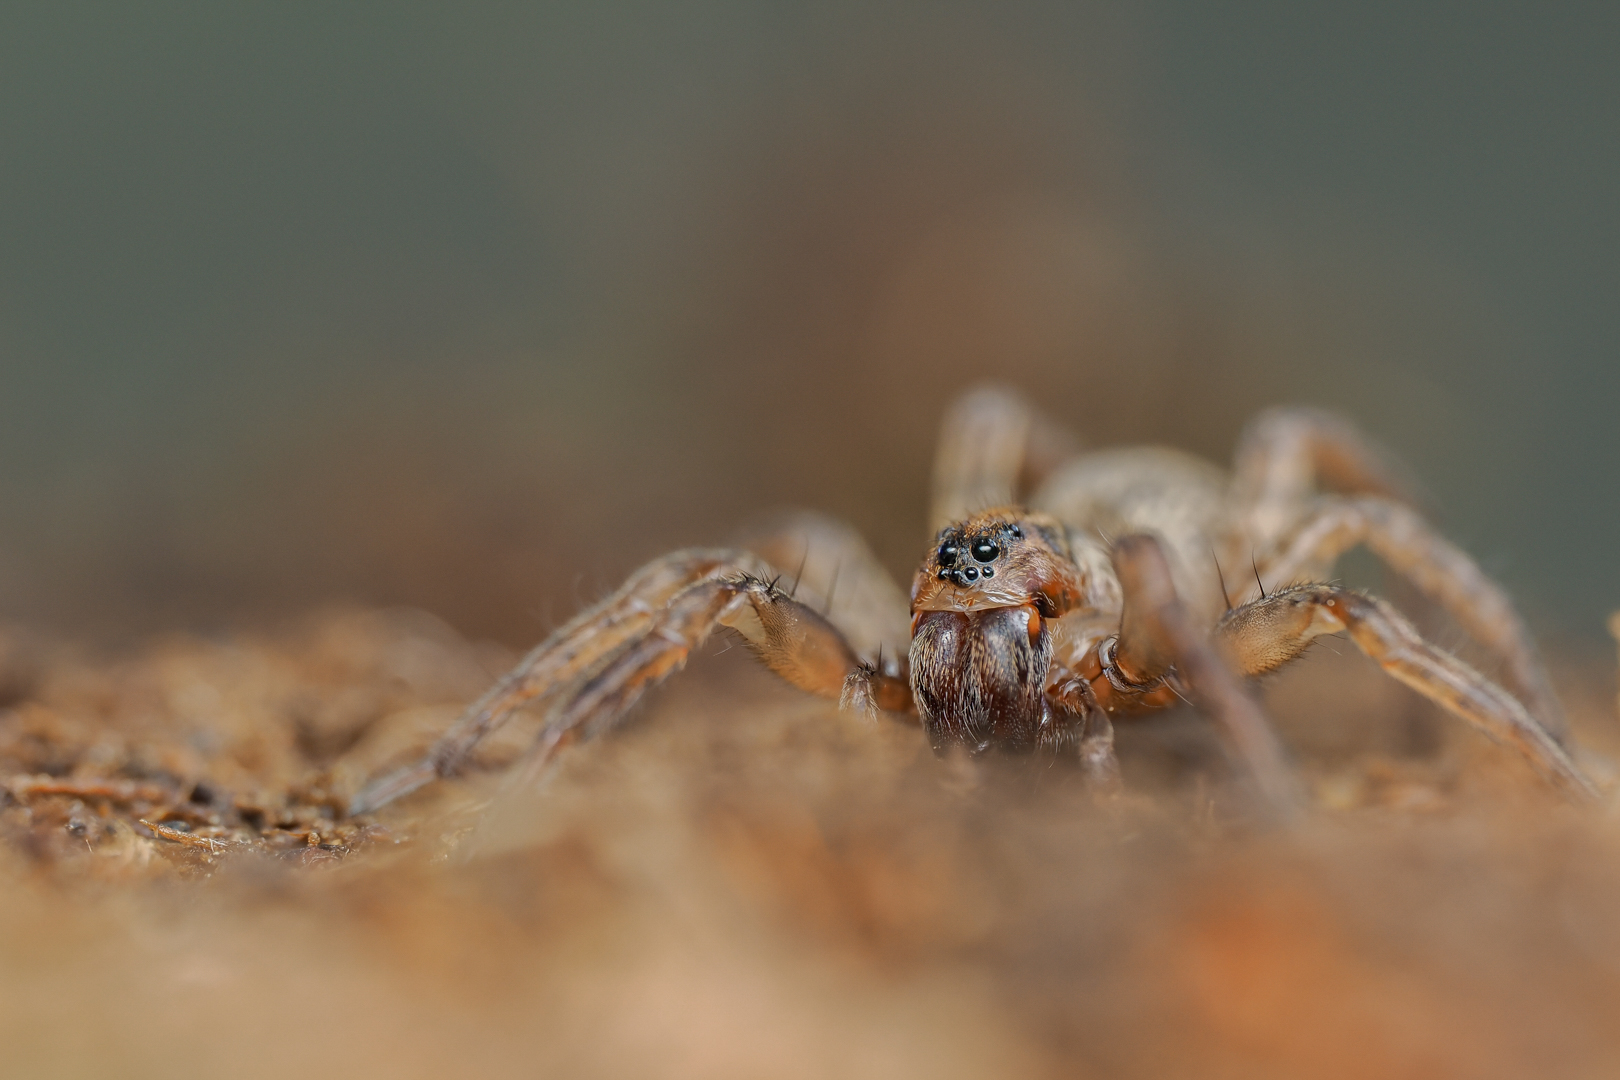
{"x": 744, "y": 882}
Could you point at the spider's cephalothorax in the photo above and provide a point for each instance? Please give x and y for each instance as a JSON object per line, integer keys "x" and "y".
{"x": 981, "y": 646}
{"x": 1030, "y": 629}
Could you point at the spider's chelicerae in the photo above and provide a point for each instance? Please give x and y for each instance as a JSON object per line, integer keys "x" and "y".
{"x": 1032, "y": 624}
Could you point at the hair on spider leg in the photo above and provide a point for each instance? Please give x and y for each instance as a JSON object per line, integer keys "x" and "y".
{"x": 832, "y": 587}
{"x": 482, "y": 661}
{"x": 1256, "y": 567}
{"x": 1170, "y": 683}
{"x": 576, "y": 586}
{"x": 798, "y": 575}
{"x": 1226, "y": 597}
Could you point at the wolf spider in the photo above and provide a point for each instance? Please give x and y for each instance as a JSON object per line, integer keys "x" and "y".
{"x": 1028, "y": 629}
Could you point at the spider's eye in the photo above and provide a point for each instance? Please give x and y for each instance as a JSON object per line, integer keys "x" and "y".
{"x": 971, "y": 573}
{"x": 948, "y": 552}
{"x": 985, "y": 550}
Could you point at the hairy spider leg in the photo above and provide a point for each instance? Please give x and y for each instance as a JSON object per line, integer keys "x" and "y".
{"x": 568, "y": 652}
{"x": 1285, "y": 455}
{"x": 1264, "y": 634}
{"x": 792, "y": 639}
{"x": 1156, "y": 634}
{"x": 989, "y": 441}
{"x": 1439, "y": 569}
{"x": 980, "y": 454}
{"x": 602, "y": 662}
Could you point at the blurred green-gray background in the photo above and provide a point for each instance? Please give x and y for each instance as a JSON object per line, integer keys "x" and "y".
{"x": 474, "y": 306}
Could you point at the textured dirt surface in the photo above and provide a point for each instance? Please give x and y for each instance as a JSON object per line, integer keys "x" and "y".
{"x": 743, "y": 882}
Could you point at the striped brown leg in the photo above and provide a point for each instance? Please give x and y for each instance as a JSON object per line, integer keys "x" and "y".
{"x": 567, "y": 653}
{"x": 1262, "y": 635}
{"x": 599, "y": 664}
{"x": 1286, "y": 455}
{"x": 793, "y": 640}
{"x": 1438, "y": 568}
{"x": 989, "y": 441}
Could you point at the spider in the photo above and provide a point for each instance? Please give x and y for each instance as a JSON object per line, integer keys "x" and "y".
{"x": 1032, "y": 625}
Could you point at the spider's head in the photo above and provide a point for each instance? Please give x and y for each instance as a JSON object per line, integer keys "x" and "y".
{"x": 980, "y": 646}
{"x": 1004, "y": 557}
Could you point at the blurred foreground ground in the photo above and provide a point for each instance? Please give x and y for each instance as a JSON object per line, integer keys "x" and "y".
{"x": 744, "y": 882}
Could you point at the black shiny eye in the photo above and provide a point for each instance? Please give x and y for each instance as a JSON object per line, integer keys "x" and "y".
{"x": 985, "y": 550}
{"x": 948, "y": 552}
{"x": 1017, "y": 532}
{"x": 970, "y": 573}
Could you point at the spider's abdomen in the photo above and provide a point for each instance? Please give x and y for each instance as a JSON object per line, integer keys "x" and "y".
{"x": 978, "y": 677}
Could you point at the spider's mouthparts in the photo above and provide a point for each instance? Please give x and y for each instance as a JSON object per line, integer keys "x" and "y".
{"x": 978, "y": 677}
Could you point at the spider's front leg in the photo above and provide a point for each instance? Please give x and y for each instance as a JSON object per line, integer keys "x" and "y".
{"x": 1442, "y": 571}
{"x": 600, "y": 663}
{"x": 574, "y": 648}
{"x": 1156, "y": 634}
{"x": 793, "y": 640}
{"x": 1265, "y": 634}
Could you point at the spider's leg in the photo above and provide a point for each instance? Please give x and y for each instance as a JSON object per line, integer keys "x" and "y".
{"x": 1262, "y": 635}
{"x": 793, "y": 640}
{"x": 568, "y": 652}
{"x": 608, "y": 656}
{"x": 1155, "y": 634}
{"x": 989, "y": 439}
{"x": 1287, "y": 454}
{"x": 1439, "y": 569}
{"x": 837, "y": 574}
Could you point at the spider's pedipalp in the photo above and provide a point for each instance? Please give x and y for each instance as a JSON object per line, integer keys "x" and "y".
{"x": 832, "y": 558}
{"x": 860, "y": 692}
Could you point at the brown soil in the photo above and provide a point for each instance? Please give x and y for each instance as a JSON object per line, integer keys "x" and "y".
{"x": 744, "y": 882}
